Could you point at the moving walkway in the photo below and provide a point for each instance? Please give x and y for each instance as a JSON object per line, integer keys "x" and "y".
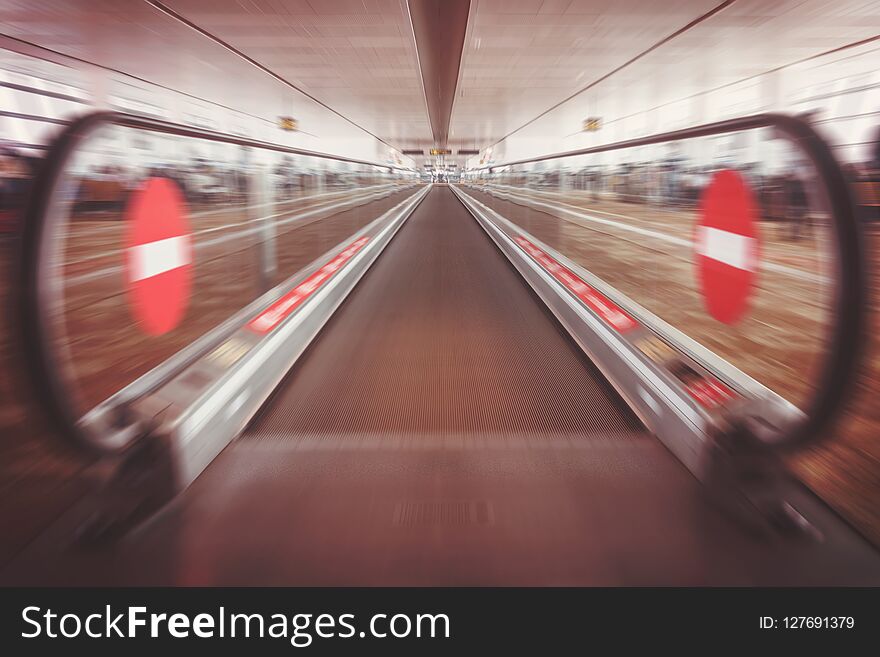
{"x": 443, "y": 398}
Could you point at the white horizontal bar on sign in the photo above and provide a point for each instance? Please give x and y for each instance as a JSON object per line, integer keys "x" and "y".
{"x": 154, "y": 258}
{"x": 730, "y": 248}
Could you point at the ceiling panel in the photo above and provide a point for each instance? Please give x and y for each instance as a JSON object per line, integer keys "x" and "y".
{"x": 522, "y": 58}
{"x": 357, "y": 56}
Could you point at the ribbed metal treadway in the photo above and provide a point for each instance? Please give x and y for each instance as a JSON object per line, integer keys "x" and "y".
{"x": 443, "y": 336}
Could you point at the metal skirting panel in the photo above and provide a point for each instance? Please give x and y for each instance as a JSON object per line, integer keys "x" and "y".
{"x": 667, "y": 412}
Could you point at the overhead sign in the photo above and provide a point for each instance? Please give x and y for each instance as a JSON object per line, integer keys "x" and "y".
{"x": 591, "y": 124}
{"x": 288, "y": 123}
{"x": 726, "y": 246}
{"x": 158, "y": 256}
{"x": 441, "y": 151}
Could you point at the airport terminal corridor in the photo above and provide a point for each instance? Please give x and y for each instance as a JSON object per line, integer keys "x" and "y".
{"x": 477, "y": 446}
{"x": 423, "y": 293}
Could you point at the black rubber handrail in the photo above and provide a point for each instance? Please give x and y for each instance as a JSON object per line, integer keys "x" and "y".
{"x": 41, "y": 356}
{"x": 839, "y": 370}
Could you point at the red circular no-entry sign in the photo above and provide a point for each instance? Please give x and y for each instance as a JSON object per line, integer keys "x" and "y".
{"x": 726, "y": 246}
{"x": 158, "y": 255}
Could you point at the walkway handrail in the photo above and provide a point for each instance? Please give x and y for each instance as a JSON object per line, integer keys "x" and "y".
{"x": 839, "y": 370}
{"x": 39, "y": 289}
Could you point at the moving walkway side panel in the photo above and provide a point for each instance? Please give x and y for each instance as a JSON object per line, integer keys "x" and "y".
{"x": 199, "y": 411}
{"x": 99, "y": 288}
{"x": 609, "y": 335}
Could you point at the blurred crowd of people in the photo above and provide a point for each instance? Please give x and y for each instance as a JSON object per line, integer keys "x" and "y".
{"x": 785, "y": 197}
{"x": 104, "y": 188}
{"x": 16, "y": 172}
{"x": 673, "y": 183}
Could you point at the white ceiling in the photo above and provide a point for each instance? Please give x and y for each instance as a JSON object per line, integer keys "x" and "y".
{"x": 521, "y": 57}
{"x": 357, "y": 56}
{"x": 524, "y": 56}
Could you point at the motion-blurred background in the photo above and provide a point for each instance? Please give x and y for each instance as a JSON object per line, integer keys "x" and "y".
{"x": 536, "y": 78}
